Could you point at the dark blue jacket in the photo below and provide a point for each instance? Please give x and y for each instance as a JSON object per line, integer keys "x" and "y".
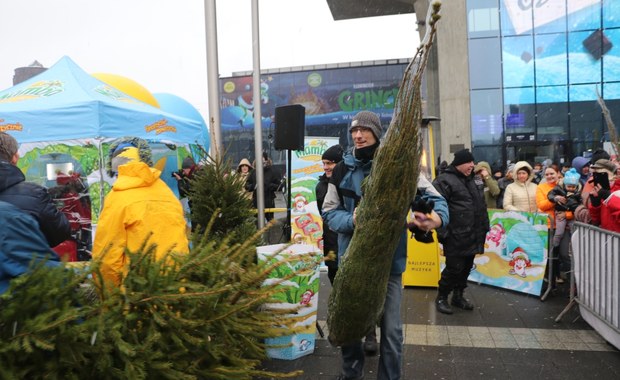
{"x": 21, "y": 242}
{"x": 36, "y": 201}
{"x": 341, "y": 200}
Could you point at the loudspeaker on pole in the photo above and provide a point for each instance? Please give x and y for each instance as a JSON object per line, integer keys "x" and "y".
{"x": 290, "y": 127}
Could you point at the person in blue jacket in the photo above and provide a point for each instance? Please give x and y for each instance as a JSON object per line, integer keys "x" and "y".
{"x": 28, "y": 196}
{"x": 21, "y": 242}
{"x": 339, "y": 211}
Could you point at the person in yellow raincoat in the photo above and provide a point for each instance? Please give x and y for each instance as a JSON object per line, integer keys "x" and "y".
{"x": 138, "y": 205}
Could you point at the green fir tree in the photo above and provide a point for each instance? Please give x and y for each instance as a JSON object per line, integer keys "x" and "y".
{"x": 195, "y": 316}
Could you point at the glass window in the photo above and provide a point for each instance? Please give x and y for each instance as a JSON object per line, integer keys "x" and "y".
{"x": 551, "y": 67}
{"x": 519, "y": 110}
{"x": 552, "y": 113}
{"x": 482, "y": 18}
{"x": 611, "y": 14}
{"x": 486, "y": 116}
{"x": 489, "y": 153}
{"x": 614, "y": 110}
{"x": 585, "y": 114}
{"x": 518, "y": 60}
{"x": 584, "y": 15}
{"x": 611, "y": 91}
{"x": 582, "y": 66}
{"x": 516, "y": 18}
{"x": 611, "y": 68}
{"x": 552, "y": 94}
{"x": 549, "y": 16}
{"x": 485, "y": 63}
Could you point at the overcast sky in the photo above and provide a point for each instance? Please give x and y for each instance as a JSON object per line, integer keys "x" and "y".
{"x": 161, "y": 43}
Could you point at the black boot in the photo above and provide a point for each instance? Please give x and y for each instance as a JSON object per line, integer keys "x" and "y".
{"x": 370, "y": 344}
{"x": 442, "y": 305}
{"x": 460, "y": 301}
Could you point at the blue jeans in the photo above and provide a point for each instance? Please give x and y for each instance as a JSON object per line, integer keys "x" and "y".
{"x": 391, "y": 344}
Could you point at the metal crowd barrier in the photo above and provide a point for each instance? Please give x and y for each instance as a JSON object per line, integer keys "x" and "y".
{"x": 595, "y": 279}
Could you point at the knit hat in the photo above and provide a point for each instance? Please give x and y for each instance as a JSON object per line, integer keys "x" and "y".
{"x": 606, "y": 165}
{"x": 511, "y": 168}
{"x": 123, "y": 147}
{"x": 571, "y": 177}
{"x": 461, "y": 157}
{"x": 599, "y": 154}
{"x": 333, "y": 153}
{"x": 370, "y": 120}
{"x": 579, "y": 162}
{"x": 188, "y": 163}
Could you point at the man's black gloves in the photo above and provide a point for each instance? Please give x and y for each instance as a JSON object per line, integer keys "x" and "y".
{"x": 426, "y": 208}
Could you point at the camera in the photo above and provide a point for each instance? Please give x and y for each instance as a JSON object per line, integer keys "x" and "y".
{"x": 178, "y": 172}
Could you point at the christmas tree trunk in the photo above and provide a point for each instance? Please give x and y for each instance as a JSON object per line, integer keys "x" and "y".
{"x": 357, "y": 299}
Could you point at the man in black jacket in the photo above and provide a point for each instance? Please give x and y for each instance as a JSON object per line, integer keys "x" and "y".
{"x": 271, "y": 183}
{"x": 330, "y": 158}
{"x": 464, "y": 237}
{"x": 29, "y": 197}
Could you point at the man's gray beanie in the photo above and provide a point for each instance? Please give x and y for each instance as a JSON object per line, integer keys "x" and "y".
{"x": 370, "y": 120}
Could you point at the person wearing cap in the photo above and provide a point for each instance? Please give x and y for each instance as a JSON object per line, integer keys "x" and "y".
{"x": 330, "y": 158}
{"x": 140, "y": 206}
{"x": 503, "y": 183}
{"x": 605, "y": 203}
{"x": 567, "y": 197}
{"x": 521, "y": 194}
{"x": 588, "y": 184}
{"x": 29, "y": 197}
{"x": 344, "y": 193}
{"x": 184, "y": 176}
{"x": 464, "y": 237}
{"x": 582, "y": 166}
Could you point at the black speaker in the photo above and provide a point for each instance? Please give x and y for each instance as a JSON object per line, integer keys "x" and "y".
{"x": 290, "y": 127}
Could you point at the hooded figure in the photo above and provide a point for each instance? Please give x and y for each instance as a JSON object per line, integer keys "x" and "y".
{"x": 579, "y": 163}
{"x": 484, "y": 178}
{"x": 243, "y": 171}
{"x": 521, "y": 194}
{"x": 140, "y": 206}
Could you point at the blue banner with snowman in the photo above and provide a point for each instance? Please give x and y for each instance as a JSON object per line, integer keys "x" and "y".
{"x": 516, "y": 251}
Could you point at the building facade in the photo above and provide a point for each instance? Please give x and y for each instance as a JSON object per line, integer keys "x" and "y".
{"x": 536, "y": 69}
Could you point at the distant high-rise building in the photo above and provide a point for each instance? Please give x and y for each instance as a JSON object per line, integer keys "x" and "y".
{"x": 25, "y": 73}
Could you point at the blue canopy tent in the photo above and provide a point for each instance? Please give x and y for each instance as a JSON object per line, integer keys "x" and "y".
{"x": 65, "y": 120}
{"x": 65, "y": 103}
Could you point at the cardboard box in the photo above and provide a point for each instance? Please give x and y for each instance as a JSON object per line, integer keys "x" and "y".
{"x": 302, "y": 290}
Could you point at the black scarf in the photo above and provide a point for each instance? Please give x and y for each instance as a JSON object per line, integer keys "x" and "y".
{"x": 366, "y": 153}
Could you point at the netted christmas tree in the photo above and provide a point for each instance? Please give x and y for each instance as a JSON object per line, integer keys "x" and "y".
{"x": 196, "y": 316}
{"x": 355, "y": 303}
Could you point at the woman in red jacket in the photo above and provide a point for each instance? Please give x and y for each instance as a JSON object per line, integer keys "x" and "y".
{"x": 605, "y": 203}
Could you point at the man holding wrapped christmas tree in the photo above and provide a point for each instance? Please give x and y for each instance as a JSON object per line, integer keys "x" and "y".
{"x": 339, "y": 211}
